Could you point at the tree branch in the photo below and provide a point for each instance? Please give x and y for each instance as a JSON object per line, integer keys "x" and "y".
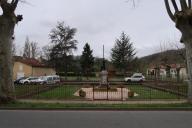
{"x": 175, "y": 5}
{"x": 169, "y": 10}
{"x": 19, "y": 18}
{"x": 189, "y": 2}
{"x": 14, "y": 3}
{"x": 183, "y": 4}
{"x": 2, "y": 2}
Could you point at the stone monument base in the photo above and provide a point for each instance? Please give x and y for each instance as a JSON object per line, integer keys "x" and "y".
{"x": 104, "y": 79}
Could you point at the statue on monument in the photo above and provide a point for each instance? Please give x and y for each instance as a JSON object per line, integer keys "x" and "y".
{"x": 104, "y": 73}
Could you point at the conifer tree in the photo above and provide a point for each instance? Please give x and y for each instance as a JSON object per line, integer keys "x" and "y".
{"x": 87, "y": 60}
{"x": 122, "y": 53}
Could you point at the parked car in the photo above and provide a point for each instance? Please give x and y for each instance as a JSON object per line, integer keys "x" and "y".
{"x": 136, "y": 77}
{"x": 54, "y": 79}
{"x": 29, "y": 80}
{"x": 38, "y": 81}
{"x": 17, "y": 81}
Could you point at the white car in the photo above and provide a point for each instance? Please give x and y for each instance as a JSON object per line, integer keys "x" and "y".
{"x": 137, "y": 77}
{"x": 38, "y": 81}
{"x": 54, "y": 79}
{"x": 30, "y": 80}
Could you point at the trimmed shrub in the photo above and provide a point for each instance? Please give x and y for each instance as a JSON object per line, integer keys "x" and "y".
{"x": 130, "y": 94}
{"x": 82, "y": 93}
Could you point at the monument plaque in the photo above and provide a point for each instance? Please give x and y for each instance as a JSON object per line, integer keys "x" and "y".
{"x": 104, "y": 78}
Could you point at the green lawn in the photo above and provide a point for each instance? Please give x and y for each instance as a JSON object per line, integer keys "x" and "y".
{"x": 73, "y": 78}
{"x": 60, "y": 92}
{"x": 26, "y": 89}
{"x": 149, "y": 93}
{"x": 93, "y": 78}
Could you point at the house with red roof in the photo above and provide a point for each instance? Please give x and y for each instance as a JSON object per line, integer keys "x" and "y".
{"x": 30, "y": 67}
{"x": 169, "y": 70}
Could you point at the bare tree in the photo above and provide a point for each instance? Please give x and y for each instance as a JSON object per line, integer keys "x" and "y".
{"x": 8, "y": 19}
{"x": 163, "y": 55}
{"x": 180, "y": 48}
{"x": 46, "y": 50}
{"x": 34, "y": 50}
{"x": 31, "y": 49}
{"x": 183, "y": 21}
{"x": 27, "y": 49}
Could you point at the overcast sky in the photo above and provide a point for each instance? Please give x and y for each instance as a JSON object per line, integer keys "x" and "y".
{"x": 98, "y": 22}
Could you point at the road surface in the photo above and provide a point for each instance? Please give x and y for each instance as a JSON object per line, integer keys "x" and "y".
{"x": 95, "y": 119}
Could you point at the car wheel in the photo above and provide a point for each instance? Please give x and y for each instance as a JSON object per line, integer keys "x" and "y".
{"x": 26, "y": 82}
{"x": 128, "y": 81}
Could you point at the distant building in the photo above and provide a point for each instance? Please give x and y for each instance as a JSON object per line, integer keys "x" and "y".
{"x": 171, "y": 71}
{"x": 30, "y": 67}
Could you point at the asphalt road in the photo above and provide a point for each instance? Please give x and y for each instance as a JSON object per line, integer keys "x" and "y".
{"x": 95, "y": 119}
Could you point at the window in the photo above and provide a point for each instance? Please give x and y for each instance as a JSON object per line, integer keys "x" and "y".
{"x": 137, "y": 76}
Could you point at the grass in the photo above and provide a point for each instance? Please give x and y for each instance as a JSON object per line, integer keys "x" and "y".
{"x": 25, "y": 89}
{"x": 149, "y": 93}
{"x": 61, "y": 92}
{"x": 93, "y": 78}
{"x": 24, "y": 105}
{"x": 73, "y": 78}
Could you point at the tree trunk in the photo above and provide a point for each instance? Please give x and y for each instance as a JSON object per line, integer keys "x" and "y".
{"x": 188, "y": 47}
{"x": 87, "y": 74}
{"x": 183, "y": 21}
{"x": 6, "y": 65}
{"x": 66, "y": 74}
{"x": 178, "y": 74}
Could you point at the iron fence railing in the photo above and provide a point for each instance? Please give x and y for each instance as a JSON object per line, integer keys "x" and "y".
{"x": 93, "y": 91}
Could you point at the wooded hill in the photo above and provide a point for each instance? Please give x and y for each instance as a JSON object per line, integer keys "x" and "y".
{"x": 166, "y": 57}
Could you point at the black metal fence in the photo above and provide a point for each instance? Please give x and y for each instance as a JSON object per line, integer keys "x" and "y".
{"x": 93, "y": 91}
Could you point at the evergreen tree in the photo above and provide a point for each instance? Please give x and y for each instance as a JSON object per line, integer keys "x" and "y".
{"x": 87, "y": 60}
{"x": 123, "y": 53}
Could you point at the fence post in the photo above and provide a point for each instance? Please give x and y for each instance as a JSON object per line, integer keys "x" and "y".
{"x": 37, "y": 91}
{"x": 121, "y": 93}
{"x": 93, "y": 92}
{"x": 150, "y": 93}
{"x": 178, "y": 92}
{"x": 28, "y": 93}
{"x": 107, "y": 92}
